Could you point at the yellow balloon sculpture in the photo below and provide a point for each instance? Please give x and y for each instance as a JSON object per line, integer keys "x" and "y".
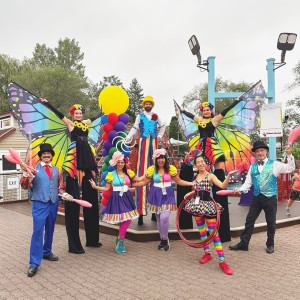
{"x": 113, "y": 99}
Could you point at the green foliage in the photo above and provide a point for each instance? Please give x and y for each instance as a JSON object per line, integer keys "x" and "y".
{"x": 296, "y": 152}
{"x": 135, "y": 94}
{"x": 175, "y": 133}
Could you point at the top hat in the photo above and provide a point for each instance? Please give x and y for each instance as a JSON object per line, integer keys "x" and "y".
{"x": 259, "y": 145}
{"x": 148, "y": 99}
{"x": 45, "y": 148}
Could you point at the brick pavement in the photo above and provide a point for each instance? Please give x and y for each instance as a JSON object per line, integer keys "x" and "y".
{"x": 144, "y": 272}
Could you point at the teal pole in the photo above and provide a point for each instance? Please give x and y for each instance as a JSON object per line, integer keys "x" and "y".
{"x": 271, "y": 99}
{"x": 211, "y": 80}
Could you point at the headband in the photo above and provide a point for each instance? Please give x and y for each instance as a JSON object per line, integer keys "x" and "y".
{"x": 206, "y": 104}
{"x": 76, "y": 106}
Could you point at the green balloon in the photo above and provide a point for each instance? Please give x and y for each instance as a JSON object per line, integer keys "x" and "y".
{"x": 112, "y": 151}
{"x": 104, "y": 167}
{"x": 107, "y": 159}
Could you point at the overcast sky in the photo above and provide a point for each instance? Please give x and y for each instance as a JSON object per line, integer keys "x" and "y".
{"x": 148, "y": 39}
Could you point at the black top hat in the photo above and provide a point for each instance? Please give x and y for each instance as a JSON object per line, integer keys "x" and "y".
{"x": 45, "y": 148}
{"x": 259, "y": 145}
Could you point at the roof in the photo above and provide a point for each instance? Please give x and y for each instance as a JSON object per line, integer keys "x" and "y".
{"x": 6, "y": 132}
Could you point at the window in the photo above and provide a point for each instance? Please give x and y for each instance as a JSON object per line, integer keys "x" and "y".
{"x": 5, "y": 123}
{"x": 7, "y": 166}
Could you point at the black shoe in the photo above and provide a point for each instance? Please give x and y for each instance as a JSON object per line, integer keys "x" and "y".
{"x": 96, "y": 245}
{"x": 166, "y": 245}
{"x": 270, "y": 249}
{"x": 153, "y": 217}
{"x": 140, "y": 222}
{"x": 238, "y": 246}
{"x": 161, "y": 245}
{"x": 51, "y": 257}
{"x": 31, "y": 271}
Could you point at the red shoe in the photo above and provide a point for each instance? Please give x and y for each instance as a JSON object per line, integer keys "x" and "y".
{"x": 206, "y": 257}
{"x": 225, "y": 268}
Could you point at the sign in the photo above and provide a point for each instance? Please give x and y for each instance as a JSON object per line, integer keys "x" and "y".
{"x": 12, "y": 183}
{"x": 271, "y": 120}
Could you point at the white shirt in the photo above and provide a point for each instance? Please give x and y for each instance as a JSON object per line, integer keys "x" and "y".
{"x": 161, "y": 125}
{"x": 278, "y": 168}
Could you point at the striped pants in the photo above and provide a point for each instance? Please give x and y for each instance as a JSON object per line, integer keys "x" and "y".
{"x": 147, "y": 146}
{"x": 203, "y": 223}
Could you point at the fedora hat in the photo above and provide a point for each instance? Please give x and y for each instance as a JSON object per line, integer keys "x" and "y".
{"x": 46, "y": 148}
{"x": 259, "y": 145}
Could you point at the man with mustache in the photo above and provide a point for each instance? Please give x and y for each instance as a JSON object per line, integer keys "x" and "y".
{"x": 45, "y": 185}
{"x": 151, "y": 127}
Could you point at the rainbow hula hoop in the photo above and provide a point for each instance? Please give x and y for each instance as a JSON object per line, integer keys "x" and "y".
{"x": 211, "y": 236}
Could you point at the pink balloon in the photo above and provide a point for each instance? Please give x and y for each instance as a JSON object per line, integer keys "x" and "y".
{"x": 224, "y": 192}
{"x": 15, "y": 155}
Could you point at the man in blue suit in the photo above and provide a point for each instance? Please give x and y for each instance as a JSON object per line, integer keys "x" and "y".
{"x": 45, "y": 185}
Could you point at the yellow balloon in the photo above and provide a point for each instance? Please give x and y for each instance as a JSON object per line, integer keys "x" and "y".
{"x": 113, "y": 99}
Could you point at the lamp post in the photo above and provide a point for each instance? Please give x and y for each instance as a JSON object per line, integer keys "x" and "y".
{"x": 286, "y": 42}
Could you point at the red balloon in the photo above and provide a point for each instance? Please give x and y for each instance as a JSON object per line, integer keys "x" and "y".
{"x": 106, "y": 194}
{"x": 108, "y": 127}
{"x": 105, "y": 136}
{"x": 127, "y": 160}
{"x": 104, "y": 201}
{"x": 127, "y": 166}
{"x": 112, "y": 118}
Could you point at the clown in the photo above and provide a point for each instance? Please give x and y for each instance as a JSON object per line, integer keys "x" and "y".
{"x": 151, "y": 128}
{"x": 82, "y": 158}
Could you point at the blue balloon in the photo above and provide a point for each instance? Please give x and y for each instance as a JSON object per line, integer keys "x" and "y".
{"x": 104, "y": 174}
{"x": 104, "y": 119}
{"x": 111, "y": 168}
{"x": 103, "y": 183}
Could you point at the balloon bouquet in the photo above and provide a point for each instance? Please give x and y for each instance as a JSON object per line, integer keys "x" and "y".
{"x": 114, "y": 102}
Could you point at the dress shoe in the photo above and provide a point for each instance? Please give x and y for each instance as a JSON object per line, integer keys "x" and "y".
{"x": 205, "y": 258}
{"x": 51, "y": 257}
{"x": 270, "y": 249}
{"x": 225, "y": 268}
{"x": 31, "y": 271}
{"x": 238, "y": 246}
{"x": 96, "y": 245}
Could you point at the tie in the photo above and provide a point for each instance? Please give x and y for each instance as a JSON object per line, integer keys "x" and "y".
{"x": 260, "y": 163}
{"x": 47, "y": 169}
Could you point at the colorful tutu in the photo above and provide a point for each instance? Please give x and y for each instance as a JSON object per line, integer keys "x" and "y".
{"x": 203, "y": 208}
{"x": 119, "y": 208}
{"x": 157, "y": 202}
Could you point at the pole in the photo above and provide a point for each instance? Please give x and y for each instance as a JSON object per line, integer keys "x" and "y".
{"x": 211, "y": 80}
{"x": 271, "y": 99}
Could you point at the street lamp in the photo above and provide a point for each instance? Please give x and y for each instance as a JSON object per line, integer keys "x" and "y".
{"x": 286, "y": 42}
{"x": 195, "y": 48}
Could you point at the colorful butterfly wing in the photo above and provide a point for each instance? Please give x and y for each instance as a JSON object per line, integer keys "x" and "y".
{"x": 70, "y": 162}
{"x": 38, "y": 124}
{"x": 188, "y": 126}
{"x": 94, "y": 129}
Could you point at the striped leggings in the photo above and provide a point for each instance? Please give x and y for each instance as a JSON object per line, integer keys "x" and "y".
{"x": 210, "y": 223}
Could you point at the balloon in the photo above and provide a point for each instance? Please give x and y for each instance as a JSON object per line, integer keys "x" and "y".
{"x": 112, "y": 118}
{"x": 107, "y": 145}
{"x": 104, "y": 174}
{"x": 119, "y": 126}
{"x": 104, "y": 167}
{"x": 108, "y": 127}
{"x": 127, "y": 160}
{"x": 104, "y": 119}
{"x": 106, "y": 194}
{"x": 112, "y": 151}
{"x": 104, "y": 201}
{"x": 103, "y": 183}
{"x": 123, "y": 134}
{"x": 107, "y": 159}
{"x": 113, "y": 99}
{"x": 127, "y": 166}
{"x": 124, "y": 118}
{"x": 104, "y": 136}
{"x": 105, "y": 152}
{"x": 112, "y": 134}
{"x": 126, "y": 154}
{"x": 111, "y": 168}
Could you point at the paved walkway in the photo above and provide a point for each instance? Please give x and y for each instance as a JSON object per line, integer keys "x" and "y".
{"x": 144, "y": 272}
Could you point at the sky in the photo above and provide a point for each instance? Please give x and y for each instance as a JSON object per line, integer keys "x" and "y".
{"x": 148, "y": 40}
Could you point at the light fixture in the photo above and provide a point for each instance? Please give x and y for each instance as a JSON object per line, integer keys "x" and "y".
{"x": 286, "y": 42}
{"x": 195, "y": 47}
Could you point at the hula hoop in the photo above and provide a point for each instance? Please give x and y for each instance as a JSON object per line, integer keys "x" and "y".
{"x": 209, "y": 239}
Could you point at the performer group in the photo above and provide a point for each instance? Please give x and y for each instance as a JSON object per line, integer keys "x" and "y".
{"x": 153, "y": 183}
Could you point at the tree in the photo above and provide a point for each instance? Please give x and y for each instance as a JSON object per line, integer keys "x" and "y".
{"x": 175, "y": 133}
{"x": 135, "y": 94}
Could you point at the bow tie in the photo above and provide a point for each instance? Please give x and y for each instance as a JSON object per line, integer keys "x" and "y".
{"x": 260, "y": 163}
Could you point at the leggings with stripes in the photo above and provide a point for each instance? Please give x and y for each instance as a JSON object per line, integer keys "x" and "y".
{"x": 202, "y": 223}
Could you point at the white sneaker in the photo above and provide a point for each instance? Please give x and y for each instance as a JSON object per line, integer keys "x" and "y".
{"x": 288, "y": 212}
